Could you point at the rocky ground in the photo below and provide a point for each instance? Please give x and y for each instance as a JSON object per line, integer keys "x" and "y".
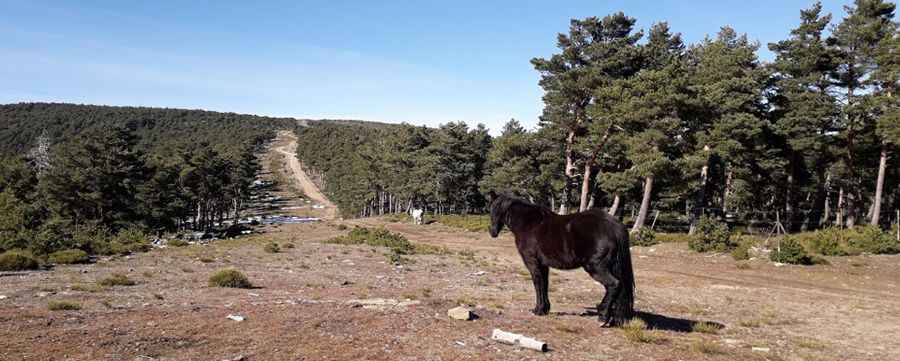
{"x": 321, "y": 301}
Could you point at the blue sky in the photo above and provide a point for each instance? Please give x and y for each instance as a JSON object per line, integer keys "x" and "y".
{"x": 423, "y": 62}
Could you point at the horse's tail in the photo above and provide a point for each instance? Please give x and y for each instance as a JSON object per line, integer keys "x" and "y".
{"x": 622, "y": 307}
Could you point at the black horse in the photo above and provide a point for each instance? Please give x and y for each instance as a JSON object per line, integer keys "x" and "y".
{"x": 593, "y": 240}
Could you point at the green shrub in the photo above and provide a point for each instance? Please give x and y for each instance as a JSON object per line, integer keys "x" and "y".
{"x": 177, "y": 243}
{"x": 63, "y": 306}
{"x": 230, "y": 278}
{"x": 741, "y": 252}
{"x": 828, "y": 241}
{"x": 397, "y": 259}
{"x": 711, "y": 236}
{"x": 789, "y": 250}
{"x": 672, "y": 237}
{"x": 377, "y": 237}
{"x": 133, "y": 239}
{"x": 471, "y": 223}
{"x": 17, "y": 261}
{"x": 644, "y": 237}
{"x": 271, "y": 247}
{"x": 69, "y": 256}
{"x": 871, "y": 239}
{"x": 117, "y": 279}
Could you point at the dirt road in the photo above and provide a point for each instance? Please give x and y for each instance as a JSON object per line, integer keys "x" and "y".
{"x": 286, "y": 144}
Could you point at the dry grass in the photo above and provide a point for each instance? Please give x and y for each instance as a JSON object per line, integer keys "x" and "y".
{"x": 82, "y": 287}
{"x": 707, "y": 347}
{"x": 117, "y": 279}
{"x": 705, "y": 327}
{"x": 63, "y": 306}
{"x": 636, "y": 331}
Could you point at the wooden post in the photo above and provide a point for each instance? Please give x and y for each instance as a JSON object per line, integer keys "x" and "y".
{"x": 655, "y": 216}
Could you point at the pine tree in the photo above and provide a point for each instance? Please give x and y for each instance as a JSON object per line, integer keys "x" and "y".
{"x": 805, "y": 112}
{"x": 857, "y": 39}
{"x": 95, "y": 179}
{"x": 587, "y": 55}
{"x": 725, "y": 120}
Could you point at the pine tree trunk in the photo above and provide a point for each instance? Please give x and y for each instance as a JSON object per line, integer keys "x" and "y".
{"x": 839, "y": 218}
{"x": 569, "y": 172}
{"x": 879, "y": 187}
{"x": 645, "y": 205}
{"x": 701, "y": 204}
{"x": 826, "y": 213}
{"x": 585, "y": 188}
{"x": 615, "y": 205}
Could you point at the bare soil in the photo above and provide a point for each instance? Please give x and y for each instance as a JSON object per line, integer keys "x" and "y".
{"x": 302, "y": 307}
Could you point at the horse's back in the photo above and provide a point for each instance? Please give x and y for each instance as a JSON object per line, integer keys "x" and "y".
{"x": 570, "y": 241}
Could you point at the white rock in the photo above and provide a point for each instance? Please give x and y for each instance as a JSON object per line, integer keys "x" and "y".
{"x": 2, "y": 297}
{"x": 460, "y": 313}
{"x": 237, "y": 318}
{"x": 760, "y": 349}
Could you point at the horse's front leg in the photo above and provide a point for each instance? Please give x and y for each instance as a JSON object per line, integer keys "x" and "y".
{"x": 540, "y": 276}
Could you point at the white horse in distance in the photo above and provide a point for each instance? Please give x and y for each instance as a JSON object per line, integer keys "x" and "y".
{"x": 417, "y": 215}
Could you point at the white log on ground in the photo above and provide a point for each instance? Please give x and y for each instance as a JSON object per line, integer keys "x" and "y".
{"x": 518, "y": 340}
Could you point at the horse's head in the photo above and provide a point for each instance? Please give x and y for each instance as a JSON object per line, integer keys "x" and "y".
{"x": 497, "y": 213}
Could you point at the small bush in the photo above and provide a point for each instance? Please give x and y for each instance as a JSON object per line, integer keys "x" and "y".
{"x": 707, "y": 347}
{"x": 69, "y": 256}
{"x": 63, "y": 306}
{"x": 636, "y": 331}
{"x": 117, "y": 279}
{"x": 828, "y": 242}
{"x": 705, "y": 327}
{"x": 790, "y": 251}
{"x": 177, "y": 243}
{"x": 17, "y": 261}
{"x": 741, "y": 252}
{"x": 378, "y": 237}
{"x": 86, "y": 288}
{"x": 872, "y": 239}
{"x": 644, "y": 237}
{"x": 711, "y": 236}
{"x": 230, "y": 278}
{"x": 397, "y": 259}
{"x": 271, "y": 247}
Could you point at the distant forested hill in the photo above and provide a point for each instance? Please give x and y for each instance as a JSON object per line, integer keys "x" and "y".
{"x": 21, "y": 124}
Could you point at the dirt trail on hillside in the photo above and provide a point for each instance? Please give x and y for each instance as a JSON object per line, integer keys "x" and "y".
{"x": 286, "y": 143}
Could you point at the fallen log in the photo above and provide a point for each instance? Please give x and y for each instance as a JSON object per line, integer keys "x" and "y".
{"x": 518, "y": 340}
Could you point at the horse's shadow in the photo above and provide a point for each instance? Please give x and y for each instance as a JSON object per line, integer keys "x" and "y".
{"x": 654, "y": 321}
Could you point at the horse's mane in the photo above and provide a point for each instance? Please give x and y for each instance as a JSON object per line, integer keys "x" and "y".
{"x": 508, "y": 200}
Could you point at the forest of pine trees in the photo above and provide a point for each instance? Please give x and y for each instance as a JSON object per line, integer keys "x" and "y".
{"x": 103, "y": 179}
{"x": 638, "y": 122}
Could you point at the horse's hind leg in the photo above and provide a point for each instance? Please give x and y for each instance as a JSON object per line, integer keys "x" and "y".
{"x": 540, "y": 276}
{"x": 599, "y": 271}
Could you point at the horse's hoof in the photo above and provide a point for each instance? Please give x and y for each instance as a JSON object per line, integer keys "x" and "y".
{"x": 540, "y": 312}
